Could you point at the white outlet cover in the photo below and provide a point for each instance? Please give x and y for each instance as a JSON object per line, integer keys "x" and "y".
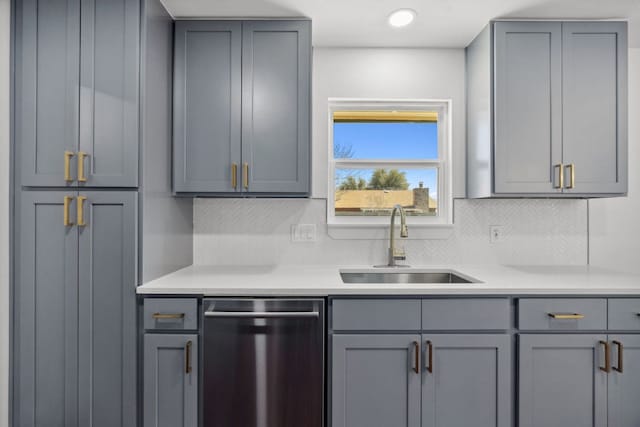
{"x": 303, "y": 233}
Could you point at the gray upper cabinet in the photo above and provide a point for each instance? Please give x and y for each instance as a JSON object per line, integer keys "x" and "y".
{"x": 46, "y": 93}
{"x": 594, "y": 110}
{"x": 170, "y": 380}
{"x": 375, "y": 380}
{"x": 242, "y": 107}
{"x": 276, "y": 97}
{"x": 76, "y": 314}
{"x": 467, "y": 381}
{"x": 527, "y": 105}
{"x": 77, "y": 92}
{"x": 561, "y": 382}
{"x": 207, "y": 113}
{"x": 109, "y": 88}
{"x": 547, "y": 110}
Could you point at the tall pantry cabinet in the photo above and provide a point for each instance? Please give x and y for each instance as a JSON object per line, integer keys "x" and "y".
{"x": 80, "y": 150}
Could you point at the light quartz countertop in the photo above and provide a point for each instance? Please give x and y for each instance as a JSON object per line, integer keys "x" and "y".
{"x": 325, "y": 281}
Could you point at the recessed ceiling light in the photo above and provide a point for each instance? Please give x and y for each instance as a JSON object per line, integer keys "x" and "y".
{"x": 402, "y": 17}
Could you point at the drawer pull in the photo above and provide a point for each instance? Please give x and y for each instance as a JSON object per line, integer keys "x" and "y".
{"x": 566, "y": 316}
{"x": 620, "y": 356}
{"x": 607, "y": 360}
{"x": 430, "y": 357}
{"x": 416, "y": 357}
{"x": 187, "y": 358}
{"x": 168, "y": 315}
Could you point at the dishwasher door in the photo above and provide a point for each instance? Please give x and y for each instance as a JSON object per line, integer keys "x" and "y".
{"x": 263, "y": 363}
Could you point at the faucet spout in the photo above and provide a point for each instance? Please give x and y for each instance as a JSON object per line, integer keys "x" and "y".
{"x": 395, "y": 254}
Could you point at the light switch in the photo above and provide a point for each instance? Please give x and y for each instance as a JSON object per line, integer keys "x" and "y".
{"x": 303, "y": 233}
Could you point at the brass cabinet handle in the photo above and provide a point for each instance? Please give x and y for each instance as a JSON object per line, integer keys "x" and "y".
{"x": 187, "y": 362}
{"x": 80, "y": 211}
{"x": 65, "y": 220}
{"x": 81, "y": 156}
{"x": 429, "y": 366}
{"x": 566, "y": 316}
{"x": 234, "y": 175}
{"x": 245, "y": 175}
{"x": 572, "y": 179}
{"x": 560, "y": 175}
{"x": 607, "y": 359}
{"x": 416, "y": 357}
{"x": 67, "y": 165}
{"x": 620, "y": 356}
{"x": 168, "y": 315}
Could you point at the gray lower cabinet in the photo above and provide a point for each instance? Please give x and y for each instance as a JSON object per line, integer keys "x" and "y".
{"x": 561, "y": 382}
{"x": 75, "y": 354}
{"x": 76, "y": 92}
{"x": 170, "y": 380}
{"x": 46, "y": 314}
{"x": 624, "y": 381}
{"x": 107, "y": 279}
{"x": 242, "y": 96}
{"x": 375, "y": 380}
{"x": 466, "y": 380}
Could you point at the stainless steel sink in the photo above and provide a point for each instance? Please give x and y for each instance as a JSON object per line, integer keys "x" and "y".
{"x": 405, "y": 277}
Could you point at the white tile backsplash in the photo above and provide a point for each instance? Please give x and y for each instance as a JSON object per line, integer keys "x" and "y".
{"x": 258, "y": 232}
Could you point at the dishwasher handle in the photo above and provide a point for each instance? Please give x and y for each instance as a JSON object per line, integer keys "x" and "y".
{"x": 262, "y": 314}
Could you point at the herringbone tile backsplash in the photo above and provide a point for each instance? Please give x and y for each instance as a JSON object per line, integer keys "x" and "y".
{"x": 257, "y": 232}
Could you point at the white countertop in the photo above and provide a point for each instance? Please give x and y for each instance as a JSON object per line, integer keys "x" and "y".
{"x": 325, "y": 280}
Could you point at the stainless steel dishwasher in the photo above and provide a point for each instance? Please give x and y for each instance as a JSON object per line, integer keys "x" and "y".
{"x": 263, "y": 363}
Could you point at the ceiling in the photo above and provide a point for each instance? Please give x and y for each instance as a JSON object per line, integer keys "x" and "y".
{"x": 439, "y": 23}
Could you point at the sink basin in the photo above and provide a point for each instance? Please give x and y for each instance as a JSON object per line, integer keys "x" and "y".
{"x": 441, "y": 276}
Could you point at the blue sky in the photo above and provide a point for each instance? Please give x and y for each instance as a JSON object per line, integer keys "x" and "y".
{"x": 397, "y": 141}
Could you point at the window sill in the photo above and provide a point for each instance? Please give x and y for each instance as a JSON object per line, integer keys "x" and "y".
{"x": 381, "y": 232}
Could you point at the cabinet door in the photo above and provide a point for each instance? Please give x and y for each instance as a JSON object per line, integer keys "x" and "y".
{"x": 594, "y": 91}
{"x": 170, "y": 380}
{"x": 46, "y": 313}
{"x": 624, "y": 381}
{"x": 276, "y": 81}
{"x": 466, "y": 381}
{"x": 373, "y": 381}
{"x": 107, "y": 309}
{"x": 561, "y": 382}
{"x": 207, "y": 96}
{"x": 46, "y": 92}
{"x": 527, "y": 107}
{"x": 109, "y": 93}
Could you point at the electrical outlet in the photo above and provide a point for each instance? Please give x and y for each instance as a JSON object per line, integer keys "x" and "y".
{"x": 496, "y": 233}
{"x": 303, "y": 233}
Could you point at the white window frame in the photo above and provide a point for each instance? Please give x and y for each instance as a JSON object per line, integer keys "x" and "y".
{"x": 444, "y": 216}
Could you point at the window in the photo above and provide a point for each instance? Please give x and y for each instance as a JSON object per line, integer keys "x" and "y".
{"x": 385, "y": 153}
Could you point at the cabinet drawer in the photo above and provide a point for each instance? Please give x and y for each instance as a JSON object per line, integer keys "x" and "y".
{"x": 465, "y": 314}
{"x": 624, "y": 314}
{"x": 378, "y": 315}
{"x": 170, "y": 313}
{"x": 562, "y": 314}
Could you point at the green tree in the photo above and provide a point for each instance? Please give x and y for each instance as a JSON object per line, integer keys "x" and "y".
{"x": 350, "y": 183}
{"x": 388, "y": 180}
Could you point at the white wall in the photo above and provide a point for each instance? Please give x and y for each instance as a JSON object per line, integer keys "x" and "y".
{"x": 4, "y": 211}
{"x": 614, "y": 232}
{"x": 386, "y": 74}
